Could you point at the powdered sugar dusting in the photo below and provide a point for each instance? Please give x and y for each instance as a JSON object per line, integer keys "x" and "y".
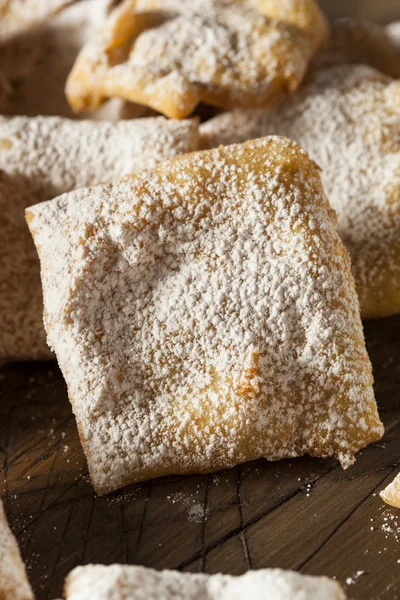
{"x": 41, "y": 158}
{"x": 118, "y": 582}
{"x": 348, "y": 119}
{"x": 203, "y": 314}
{"x": 14, "y": 584}
{"x": 172, "y": 54}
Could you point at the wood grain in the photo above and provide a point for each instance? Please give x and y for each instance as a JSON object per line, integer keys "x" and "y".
{"x": 303, "y": 514}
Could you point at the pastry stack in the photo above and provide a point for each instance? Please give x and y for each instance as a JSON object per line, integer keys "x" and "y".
{"x": 213, "y": 192}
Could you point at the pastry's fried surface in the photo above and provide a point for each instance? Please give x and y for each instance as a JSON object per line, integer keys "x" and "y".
{"x": 42, "y": 158}
{"x": 120, "y": 582}
{"x": 20, "y": 15}
{"x": 14, "y": 583}
{"x": 391, "y": 494}
{"x": 204, "y": 314}
{"x": 348, "y": 119}
{"x": 172, "y": 54}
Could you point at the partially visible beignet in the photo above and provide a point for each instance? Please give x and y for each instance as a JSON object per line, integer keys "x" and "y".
{"x": 14, "y": 584}
{"x": 122, "y": 582}
{"x": 41, "y": 158}
{"x": 171, "y": 55}
{"x": 348, "y": 119}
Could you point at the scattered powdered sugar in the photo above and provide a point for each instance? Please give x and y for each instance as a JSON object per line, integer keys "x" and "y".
{"x": 391, "y": 526}
{"x": 14, "y": 584}
{"x": 203, "y": 314}
{"x": 196, "y": 510}
{"x": 41, "y": 158}
{"x": 391, "y": 494}
{"x": 179, "y": 52}
{"x": 118, "y": 582}
{"x": 348, "y": 119}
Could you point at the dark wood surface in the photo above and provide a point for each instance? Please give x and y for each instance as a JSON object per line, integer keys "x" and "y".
{"x": 302, "y": 514}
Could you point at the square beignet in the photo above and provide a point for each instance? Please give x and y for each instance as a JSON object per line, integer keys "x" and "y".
{"x": 14, "y": 584}
{"x": 204, "y": 314}
{"x": 42, "y": 158}
{"x": 172, "y": 54}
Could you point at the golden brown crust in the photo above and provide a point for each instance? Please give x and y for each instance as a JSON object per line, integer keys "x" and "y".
{"x": 241, "y": 54}
{"x": 391, "y": 494}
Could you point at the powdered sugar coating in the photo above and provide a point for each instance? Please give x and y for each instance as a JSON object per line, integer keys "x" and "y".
{"x": 117, "y": 582}
{"x": 391, "y": 494}
{"x": 42, "y": 158}
{"x": 14, "y": 583}
{"x": 203, "y": 314}
{"x": 348, "y": 119}
{"x": 172, "y": 54}
{"x": 19, "y": 15}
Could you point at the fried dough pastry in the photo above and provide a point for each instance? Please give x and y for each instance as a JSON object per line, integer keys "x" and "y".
{"x": 20, "y": 15}
{"x": 36, "y": 64}
{"x": 14, "y": 584}
{"x": 204, "y": 314}
{"x": 348, "y": 119}
{"x": 121, "y": 582}
{"x": 360, "y": 42}
{"x": 391, "y": 494}
{"x": 173, "y": 54}
{"x": 42, "y": 158}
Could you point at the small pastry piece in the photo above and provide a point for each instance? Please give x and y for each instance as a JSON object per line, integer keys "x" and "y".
{"x": 360, "y": 42}
{"x": 14, "y": 584}
{"x": 173, "y": 54}
{"x": 120, "y": 582}
{"x": 20, "y": 15}
{"x": 204, "y": 314}
{"x": 348, "y": 119}
{"x": 42, "y": 158}
{"x": 391, "y": 494}
{"x": 37, "y": 64}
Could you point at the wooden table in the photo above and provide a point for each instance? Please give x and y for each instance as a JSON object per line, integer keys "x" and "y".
{"x": 303, "y": 514}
